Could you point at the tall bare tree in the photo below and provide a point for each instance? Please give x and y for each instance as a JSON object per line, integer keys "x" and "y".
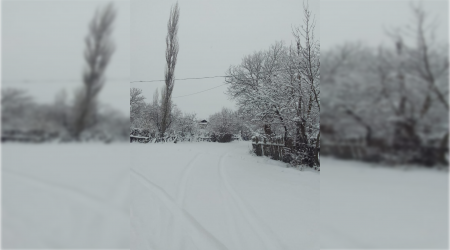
{"x": 308, "y": 51}
{"x": 98, "y": 52}
{"x": 428, "y": 61}
{"x": 171, "y": 60}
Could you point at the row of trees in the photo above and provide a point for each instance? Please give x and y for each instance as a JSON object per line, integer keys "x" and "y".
{"x": 147, "y": 118}
{"x": 278, "y": 93}
{"x": 25, "y": 120}
{"x": 394, "y": 98}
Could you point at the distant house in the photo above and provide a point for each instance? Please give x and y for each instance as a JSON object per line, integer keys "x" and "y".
{"x": 203, "y": 123}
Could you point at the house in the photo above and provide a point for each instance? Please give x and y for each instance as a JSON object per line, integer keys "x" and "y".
{"x": 202, "y": 124}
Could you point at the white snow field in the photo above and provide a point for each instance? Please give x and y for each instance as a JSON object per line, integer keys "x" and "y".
{"x": 366, "y": 206}
{"x": 65, "y": 196}
{"x": 209, "y": 196}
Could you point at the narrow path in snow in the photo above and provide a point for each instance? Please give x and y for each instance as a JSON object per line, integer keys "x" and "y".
{"x": 185, "y": 177}
{"x": 182, "y": 219}
{"x": 217, "y": 196}
{"x": 264, "y": 232}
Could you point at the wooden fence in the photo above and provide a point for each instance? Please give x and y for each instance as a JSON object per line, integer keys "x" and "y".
{"x": 278, "y": 149}
{"x": 173, "y": 138}
{"x": 274, "y": 148}
{"x": 395, "y": 154}
{"x": 142, "y": 139}
{"x": 32, "y": 136}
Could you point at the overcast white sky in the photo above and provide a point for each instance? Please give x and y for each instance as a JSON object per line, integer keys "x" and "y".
{"x": 212, "y": 35}
{"x": 43, "y": 43}
{"x": 363, "y": 20}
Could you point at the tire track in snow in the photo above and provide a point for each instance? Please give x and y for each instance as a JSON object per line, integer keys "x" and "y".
{"x": 87, "y": 199}
{"x": 181, "y": 214}
{"x": 184, "y": 179}
{"x": 238, "y": 235}
{"x": 264, "y": 232}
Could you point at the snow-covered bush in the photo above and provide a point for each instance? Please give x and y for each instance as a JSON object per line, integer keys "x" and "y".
{"x": 223, "y": 122}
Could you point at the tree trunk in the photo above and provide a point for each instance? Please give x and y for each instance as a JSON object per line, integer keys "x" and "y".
{"x": 443, "y": 150}
{"x": 317, "y": 150}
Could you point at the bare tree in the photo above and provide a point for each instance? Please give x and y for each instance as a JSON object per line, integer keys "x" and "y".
{"x": 278, "y": 89}
{"x": 308, "y": 52}
{"x": 137, "y": 104}
{"x": 430, "y": 64}
{"x": 397, "y": 97}
{"x": 14, "y": 104}
{"x": 16, "y": 97}
{"x": 421, "y": 78}
{"x": 98, "y": 52}
{"x": 258, "y": 92}
{"x": 171, "y": 60}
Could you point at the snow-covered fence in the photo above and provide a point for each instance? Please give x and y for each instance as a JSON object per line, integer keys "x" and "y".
{"x": 219, "y": 138}
{"x": 141, "y": 135}
{"x": 35, "y": 136}
{"x": 427, "y": 155}
{"x": 146, "y": 136}
{"x": 278, "y": 149}
{"x": 202, "y": 138}
{"x": 347, "y": 149}
{"x": 274, "y": 148}
{"x": 142, "y": 139}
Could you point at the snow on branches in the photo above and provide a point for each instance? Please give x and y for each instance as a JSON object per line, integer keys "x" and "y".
{"x": 279, "y": 88}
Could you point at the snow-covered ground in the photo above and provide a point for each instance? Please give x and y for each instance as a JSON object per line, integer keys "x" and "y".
{"x": 368, "y": 206}
{"x": 217, "y": 196}
{"x": 212, "y": 196}
{"x": 65, "y": 196}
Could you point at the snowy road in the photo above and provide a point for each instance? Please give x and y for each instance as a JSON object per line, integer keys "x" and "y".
{"x": 65, "y": 196}
{"x": 217, "y": 196}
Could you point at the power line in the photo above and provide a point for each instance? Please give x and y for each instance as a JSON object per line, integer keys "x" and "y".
{"x": 208, "y": 77}
{"x": 182, "y": 79}
{"x": 200, "y": 91}
{"x": 205, "y": 77}
{"x": 190, "y": 78}
{"x": 53, "y": 81}
{"x": 124, "y": 78}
